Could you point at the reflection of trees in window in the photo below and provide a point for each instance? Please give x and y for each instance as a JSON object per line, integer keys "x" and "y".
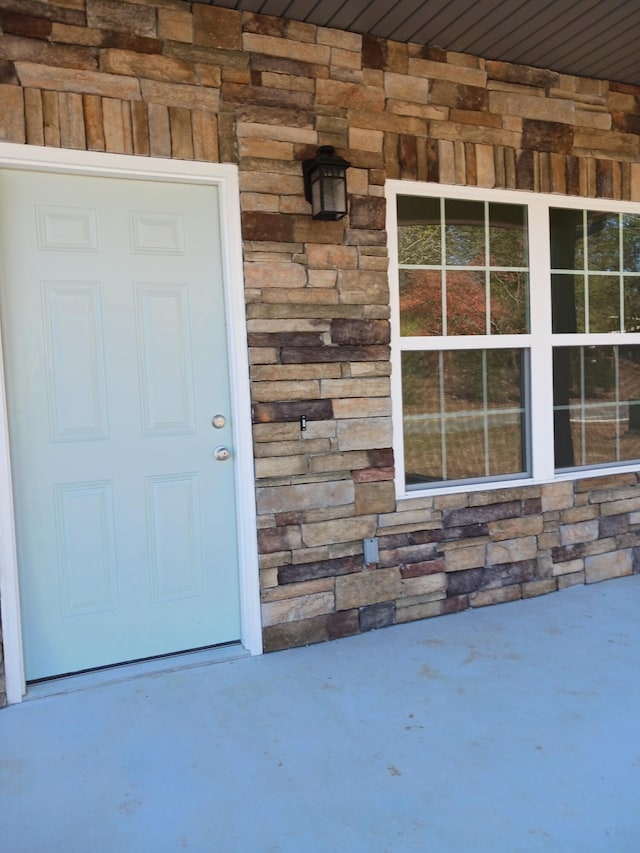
{"x": 452, "y": 238}
{"x": 593, "y": 296}
{"x": 463, "y": 414}
{"x": 603, "y": 409}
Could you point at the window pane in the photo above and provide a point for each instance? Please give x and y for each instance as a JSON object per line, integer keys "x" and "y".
{"x": 421, "y": 384}
{"x": 465, "y": 233}
{"x": 567, "y": 239}
{"x": 466, "y": 303}
{"x": 508, "y": 246}
{"x": 463, "y": 415}
{"x": 603, "y": 240}
{"x": 632, "y": 304}
{"x": 419, "y": 231}
{"x": 420, "y": 302}
{"x": 631, "y": 242}
{"x": 604, "y": 303}
{"x": 567, "y": 303}
{"x": 509, "y": 298}
{"x": 596, "y": 405}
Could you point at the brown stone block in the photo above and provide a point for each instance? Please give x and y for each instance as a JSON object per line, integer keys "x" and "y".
{"x": 611, "y": 565}
{"x": 374, "y": 52}
{"x": 541, "y": 587}
{"x": 181, "y": 133}
{"x": 459, "y": 96}
{"x": 467, "y": 75}
{"x": 266, "y": 226}
{"x": 67, "y": 34}
{"x": 301, "y": 355}
{"x": 279, "y": 412}
{"x": 481, "y": 514}
{"x": 522, "y": 74}
{"x": 399, "y": 550}
{"x": 360, "y": 332}
{"x": 179, "y": 95}
{"x": 12, "y": 127}
{"x": 43, "y": 76}
{"x": 369, "y": 475}
{"x": 132, "y": 43}
{"x": 116, "y": 132}
{"x": 19, "y": 49}
{"x": 480, "y": 119}
{"x": 274, "y": 539}
{"x": 604, "y": 179}
{"x": 25, "y": 25}
{"x": 159, "y": 131}
{"x": 94, "y": 122}
{"x": 433, "y": 165}
{"x": 349, "y": 95}
{"x": 153, "y": 67}
{"x": 380, "y": 457}
{"x": 346, "y": 623}
{"x": 365, "y": 237}
{"x": 495, "y": 577}
{"x": 308, "y": 230}
{"x": 50, "y": 12}
{"x": 547, "y": 136}
{"x": 33, "y": 117}
{"x": 230, "y": 60}
{"x": 289, "y": 66}
{"x": 175, "y": 24}
{"x": 425, "y": 567}
{"x": 140, "y": 128}
{"x": 7, "y": 72}
{"x": 525, "y": 171}
{"x": 267, "y": 97}
{"x": 289, "y": 635}
{"x": 375, "y": 496}
{"x": 376, "y": 616}
{"x": 567, "y": 553}
{"x": 297, "y": 573}
{"x": 270, "y": 25}
{"x": 72, "y": 130}
{"x": 365, "y": 588}
{"x": 625, "y": 88}
{"x": 501, "y": 595}
{"x": 407, "y": 157}
{"x": 51, "y": 119}
{"x": 606, "y": 143}
{"x": 285, "y": 338}
{"x": 125, "y": 17}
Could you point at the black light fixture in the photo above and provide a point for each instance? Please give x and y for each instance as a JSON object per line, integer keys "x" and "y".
{"x": 325, "y": 184}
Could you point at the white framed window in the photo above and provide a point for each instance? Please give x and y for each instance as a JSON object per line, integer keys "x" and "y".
{"x": 515, "y": 336}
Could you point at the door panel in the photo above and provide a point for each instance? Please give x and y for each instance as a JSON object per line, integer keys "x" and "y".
{"x": 116, "y": 360}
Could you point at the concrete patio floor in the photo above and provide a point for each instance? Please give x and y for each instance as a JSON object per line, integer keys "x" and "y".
{"x": 511, "y": 728}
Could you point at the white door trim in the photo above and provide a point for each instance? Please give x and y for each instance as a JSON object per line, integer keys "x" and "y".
{"x": 225, "y": 178}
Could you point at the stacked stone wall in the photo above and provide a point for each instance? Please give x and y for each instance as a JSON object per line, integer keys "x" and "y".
{"x": 166, "y": 78}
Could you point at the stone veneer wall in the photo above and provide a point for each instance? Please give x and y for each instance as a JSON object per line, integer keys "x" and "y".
{"x": 169, "y": 79}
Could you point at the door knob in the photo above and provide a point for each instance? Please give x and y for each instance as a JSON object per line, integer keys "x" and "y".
{"x": 221, "y": 453}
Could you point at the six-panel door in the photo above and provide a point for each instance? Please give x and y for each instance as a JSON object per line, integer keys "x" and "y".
{"x": 116, "y": 364}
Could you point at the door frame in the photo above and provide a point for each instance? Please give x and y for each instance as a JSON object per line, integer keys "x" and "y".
{"x": 225, "y": 178}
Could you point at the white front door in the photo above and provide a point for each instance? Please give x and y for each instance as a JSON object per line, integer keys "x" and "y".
{"x": 115, "y": 355}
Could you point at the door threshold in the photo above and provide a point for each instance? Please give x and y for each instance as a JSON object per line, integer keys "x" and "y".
{"x": 135, "y": 669}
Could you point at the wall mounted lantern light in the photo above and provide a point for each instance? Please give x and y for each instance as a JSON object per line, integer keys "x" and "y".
{"x": 325, "y": 184}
